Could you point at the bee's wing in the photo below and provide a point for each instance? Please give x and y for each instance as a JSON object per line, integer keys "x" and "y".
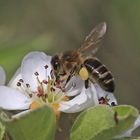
{"x": 94, "y": 37}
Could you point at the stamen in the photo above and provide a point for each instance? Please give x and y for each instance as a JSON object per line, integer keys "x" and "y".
{"x": 52, "y": 89}
{"x": 102, "y": 100}
{"x": 27, "y": 85}
{"x": 40, "y": 91}
{"x": 21, "y": 80}
{"x": 46, "y": 66}
{"x": 38, "y": 80}
{"x": 18, "y": 84}
{"x": 113, "y": 104}
{"x": 47, "y": 91}
{"x": 45, "y": 82}
{"x": 31, "y": 95}
{"x": 36, "y": 73}
{"x": 25, "y": 88}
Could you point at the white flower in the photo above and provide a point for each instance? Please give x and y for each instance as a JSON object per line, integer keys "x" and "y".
{"x": 32, "y": 86}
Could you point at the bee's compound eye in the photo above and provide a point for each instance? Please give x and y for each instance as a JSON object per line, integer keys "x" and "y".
{"x": 56, "y": 65}
{"x": 55, "y": 62}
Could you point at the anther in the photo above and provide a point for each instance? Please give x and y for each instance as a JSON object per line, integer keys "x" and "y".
{"x": 30, "y": 95}
{"x": 52, "y": 89}
{"x": 27, "y": 85}
{"x": 102, "y": 100}
{"x": 21, "y": 80}
{"x": 45, "y": 81}
{"x": 18, "y": 84}
{"x": 46, "y": 66}
{"x": 36, "y": 73}
{"x": 113, "y": 104}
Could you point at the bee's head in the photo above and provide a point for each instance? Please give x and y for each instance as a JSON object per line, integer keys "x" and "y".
{"x": 55, "y": 62}
{"x": 63, "y": 64}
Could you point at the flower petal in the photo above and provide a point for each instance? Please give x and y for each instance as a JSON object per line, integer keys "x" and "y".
{"x": 17, "y": 76}
{"x": 21, "y": 114}
{"x": 85, "y": 99}
{"x": 103, "y": 93}
{"x": 2, "y": 76}
{"x": 35, "y": 62}
{"x": 11, "y": 99}
{"x": 75, "y": 86}
{"x": 74, "y": 104}
{"x": 128, "y": 133}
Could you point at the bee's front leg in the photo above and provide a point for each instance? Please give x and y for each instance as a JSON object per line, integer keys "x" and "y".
{"x": 70, "y": 76}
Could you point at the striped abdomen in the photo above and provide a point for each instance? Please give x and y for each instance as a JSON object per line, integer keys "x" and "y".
{"x": 100, "y": 74}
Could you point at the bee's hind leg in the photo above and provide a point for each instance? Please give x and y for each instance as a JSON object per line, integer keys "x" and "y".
{"x": 86, "y": 83}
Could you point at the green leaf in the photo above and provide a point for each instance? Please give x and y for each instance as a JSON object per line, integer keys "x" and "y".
{"x": 36, "y": 125}
{"x": 2, "y": 130}
{"x": 103, "y": 122}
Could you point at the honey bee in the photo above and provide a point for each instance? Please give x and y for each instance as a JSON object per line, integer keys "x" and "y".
{"x": 74, "y": 63}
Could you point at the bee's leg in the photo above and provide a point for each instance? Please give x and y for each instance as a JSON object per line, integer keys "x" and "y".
{"x": 86, "y": 83}
{"x": 68, "y": 79}
{"x": 70, "y": 76}
{"x": 57, "y": 78}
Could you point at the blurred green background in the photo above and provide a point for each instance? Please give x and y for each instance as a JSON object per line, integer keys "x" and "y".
{"x": 55, "y": 26}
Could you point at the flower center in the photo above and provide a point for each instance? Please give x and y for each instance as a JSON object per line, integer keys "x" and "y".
{"x": 47, "y": 92}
